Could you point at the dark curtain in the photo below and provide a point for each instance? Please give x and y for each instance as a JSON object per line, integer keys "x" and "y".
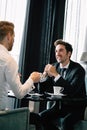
{"x": 43, "y": 25}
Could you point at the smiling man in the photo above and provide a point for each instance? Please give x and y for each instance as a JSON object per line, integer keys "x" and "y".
{"x": 71, "y": 76}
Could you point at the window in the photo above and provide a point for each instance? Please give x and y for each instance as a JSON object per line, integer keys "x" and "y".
{"x": 75, "y": 26}
{"x": 14, "y": 11}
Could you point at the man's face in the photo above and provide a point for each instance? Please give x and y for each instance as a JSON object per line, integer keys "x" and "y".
{"x": 61, "y": 54}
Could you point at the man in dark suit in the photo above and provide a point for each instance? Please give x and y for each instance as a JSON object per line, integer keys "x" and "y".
{"x": 73, "y": 81}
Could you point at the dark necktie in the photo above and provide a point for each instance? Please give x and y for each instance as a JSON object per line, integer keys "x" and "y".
{"x": 63, "y": 72}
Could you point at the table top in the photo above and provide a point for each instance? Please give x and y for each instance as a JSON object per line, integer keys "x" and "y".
{"x": 48, "y": 97}
{"x": 55, "y": 98}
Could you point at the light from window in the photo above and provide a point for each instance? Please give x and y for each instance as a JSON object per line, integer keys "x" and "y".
{"x": 14, "y": 11}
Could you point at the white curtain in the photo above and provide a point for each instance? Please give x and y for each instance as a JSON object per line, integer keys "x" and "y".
{"x": 75, "y": 29}
{"x": 14, "y": 11}
{"x": 75, "y": 26}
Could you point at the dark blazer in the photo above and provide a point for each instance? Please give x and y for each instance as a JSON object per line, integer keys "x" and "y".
{"x": 74, "y": 82}
{"x": 74, "y": 86}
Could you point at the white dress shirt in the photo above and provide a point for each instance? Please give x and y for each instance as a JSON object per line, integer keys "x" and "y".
{"x": 9, "y": 78}
{"x": 58, "y": 76}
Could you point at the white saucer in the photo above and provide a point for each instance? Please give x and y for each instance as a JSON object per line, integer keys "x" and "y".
{"x": 34, "y": 95}
{"x": 59, "y": 94}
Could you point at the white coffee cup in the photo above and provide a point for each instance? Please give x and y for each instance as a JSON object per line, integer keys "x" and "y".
{"x": 57, "y": 89}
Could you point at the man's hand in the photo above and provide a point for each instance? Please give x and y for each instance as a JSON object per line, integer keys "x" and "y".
{"x": 35, "y": 76}
{"x": 51, "y": 70}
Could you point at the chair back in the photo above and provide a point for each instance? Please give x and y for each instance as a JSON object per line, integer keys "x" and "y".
{"x": 85, "y": 114}
{"x": 16, "y": 119}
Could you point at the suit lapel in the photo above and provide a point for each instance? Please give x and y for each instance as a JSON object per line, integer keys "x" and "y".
{"x": 68, "y": 71}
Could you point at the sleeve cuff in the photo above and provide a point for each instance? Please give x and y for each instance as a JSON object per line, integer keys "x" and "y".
{"x": 32, "y": 83}
{"x": 57, "y": 77}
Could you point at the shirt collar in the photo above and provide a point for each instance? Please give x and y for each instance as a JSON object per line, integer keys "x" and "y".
{"x": 66, "y": 66}
{"x": 3, "y": 48}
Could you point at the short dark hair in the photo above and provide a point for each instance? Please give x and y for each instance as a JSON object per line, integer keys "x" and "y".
{"x": 66, "y": 44}
{"x": 5, "y": 28}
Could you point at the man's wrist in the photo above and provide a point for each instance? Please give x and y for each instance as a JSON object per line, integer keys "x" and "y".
{"x": 55, "y": 75}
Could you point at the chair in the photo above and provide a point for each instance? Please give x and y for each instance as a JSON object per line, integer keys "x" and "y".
{"x": 82, "y": 124}
{"x": 16, "y": 119}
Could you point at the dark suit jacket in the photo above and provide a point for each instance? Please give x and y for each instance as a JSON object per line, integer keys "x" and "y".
{"x": 74, "y": 82}
{"x": 74, "y": 86}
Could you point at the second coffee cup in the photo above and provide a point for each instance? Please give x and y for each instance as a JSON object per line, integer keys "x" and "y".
{"x": 57, "y": 89}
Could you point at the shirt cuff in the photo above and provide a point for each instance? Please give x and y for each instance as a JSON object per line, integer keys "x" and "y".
{"x": 32, "y": 83}
{"x": 57, "y": 77}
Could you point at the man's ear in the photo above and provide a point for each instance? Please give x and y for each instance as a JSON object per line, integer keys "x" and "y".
{"x": 69, "y": 53}
{"x": 8, "y": 36}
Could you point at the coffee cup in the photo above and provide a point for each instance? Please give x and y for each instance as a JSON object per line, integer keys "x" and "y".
{"x": 57, "y": 89}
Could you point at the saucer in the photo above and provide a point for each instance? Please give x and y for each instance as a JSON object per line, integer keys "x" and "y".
{"x": 35, "y": 95}
{"x": 52, "y": 94}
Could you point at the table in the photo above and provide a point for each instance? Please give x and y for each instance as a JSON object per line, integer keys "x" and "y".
{"x": 46, "y": 98}
{"x": 55, "y": 98}
{"x": 60, "y": 99}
